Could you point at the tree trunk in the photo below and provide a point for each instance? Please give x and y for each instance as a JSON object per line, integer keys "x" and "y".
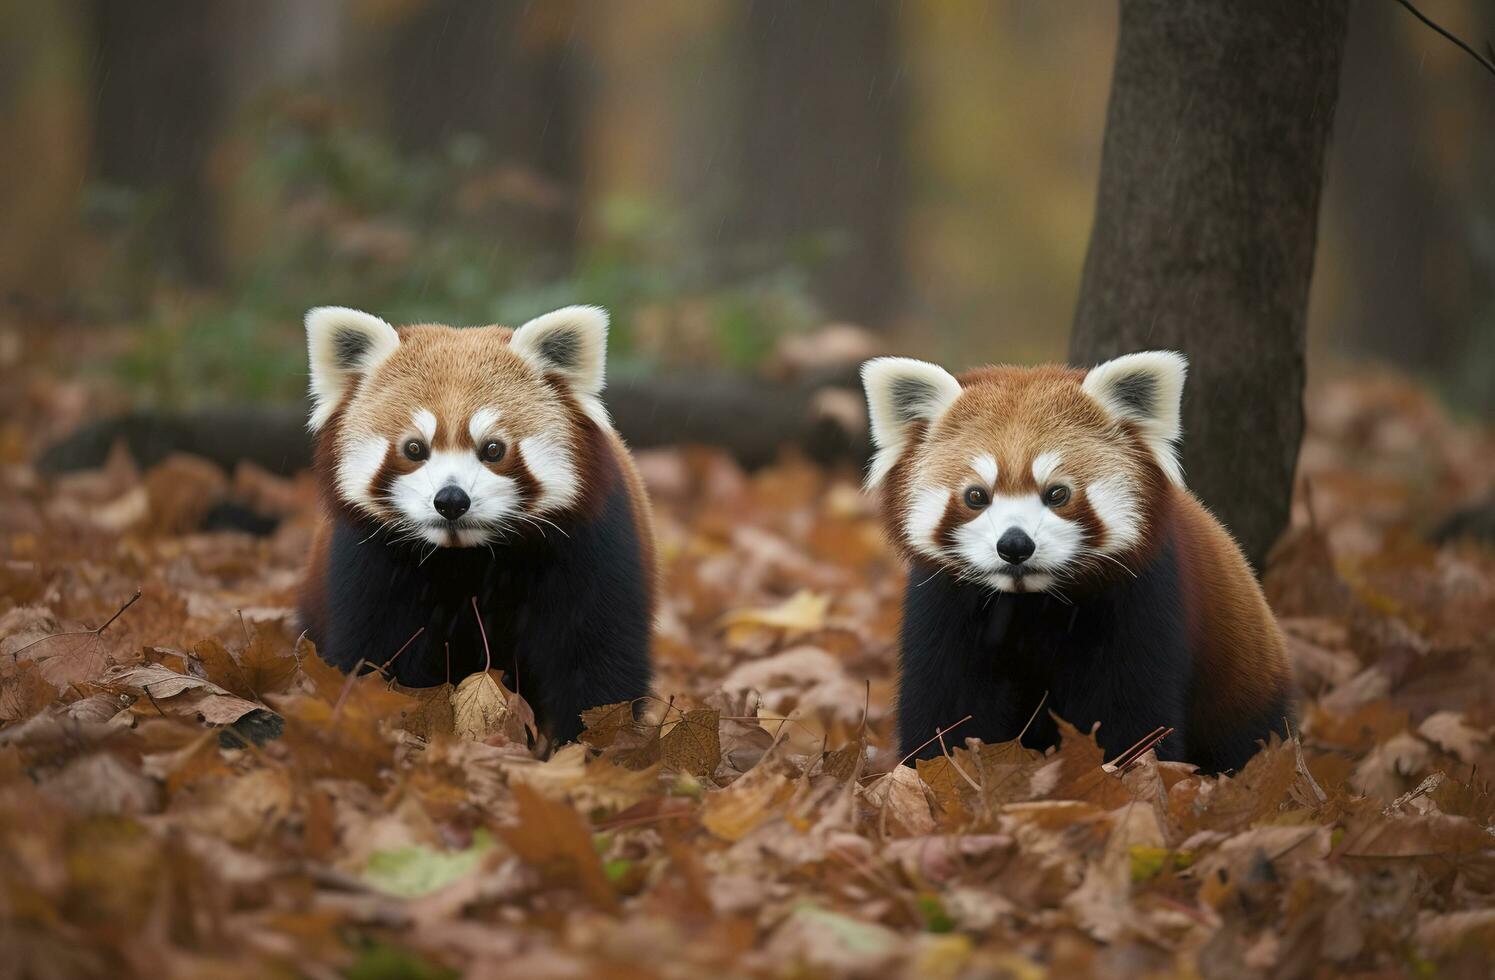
{"x": 509, "y": 72}
{"x": 160, "y": 80}
{"x": 1405, "y": 204}
{"x": 1205, "y": 226}
{"x": 823, "y": 174}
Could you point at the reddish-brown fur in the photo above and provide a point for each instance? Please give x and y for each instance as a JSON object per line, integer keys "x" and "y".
{"x": 1240, "y": 669}
{"x": 445, "y": 369}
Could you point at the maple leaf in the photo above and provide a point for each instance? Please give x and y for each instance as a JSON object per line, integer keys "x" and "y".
{"x": 1077, "y": 771}
{"x": 267, "y": 663}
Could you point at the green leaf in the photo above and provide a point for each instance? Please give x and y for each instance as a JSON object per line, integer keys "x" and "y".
{"x": 410, "y": 872}
{"x": 1149, "y": 862}
{"x": 936, "y": 919}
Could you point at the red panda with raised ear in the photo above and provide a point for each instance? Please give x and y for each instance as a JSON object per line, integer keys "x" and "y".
{"x": 478, "y": 464}
{"x": 1057, "y": 560}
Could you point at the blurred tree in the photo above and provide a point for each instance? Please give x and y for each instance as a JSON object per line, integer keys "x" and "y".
{"x": 1408, "y": 190}
{"x": 508, "y": 72}
{"x": 1205, "y": 226}
{"x": 822, "y": 166}
{"x": 161, "y": 84}
{"x": 44, "y": 125}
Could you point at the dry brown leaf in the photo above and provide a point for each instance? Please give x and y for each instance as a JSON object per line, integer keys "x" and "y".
{"x": 693, "y": 744}
{"x": 268, "y": 663}
{"x": 104, "y": 784}
{"x": 603, "y": 723}
{"x": 1413, "y": 836}
{"x": 160, "y": 690}
{"x": 554, "y": 839}
{"x": 433, "y": 714}
{"x": 24, "y": 692}
{"x": 479, "y": 707}
{"x": 747, "y": 804}
{"x": 1448, "y": 730}
{"x": 1387, "y": 770}
{"x": 804, "y": 612}
{"x": 1077, "y": 773}
{"x": 899, "y": 802}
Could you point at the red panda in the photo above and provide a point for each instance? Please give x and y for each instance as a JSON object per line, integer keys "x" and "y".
{"x": 478, "y": 464}
{"x": 1057, "y": 560}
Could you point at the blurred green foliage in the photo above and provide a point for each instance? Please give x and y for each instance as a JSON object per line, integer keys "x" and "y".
{"x": 328, "y": 214}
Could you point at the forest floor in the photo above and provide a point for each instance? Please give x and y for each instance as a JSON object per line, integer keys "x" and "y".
{"x": 185, "y": 789}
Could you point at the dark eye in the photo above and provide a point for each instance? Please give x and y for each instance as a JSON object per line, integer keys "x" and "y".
{"x": 492, "y": 452}
{"x": 976, "y": 498}
{"x": 1056, "y": 496}
{"x": 416, "y": 450}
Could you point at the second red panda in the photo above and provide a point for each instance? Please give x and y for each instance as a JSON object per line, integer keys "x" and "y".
{"x": 1057, "y": 559}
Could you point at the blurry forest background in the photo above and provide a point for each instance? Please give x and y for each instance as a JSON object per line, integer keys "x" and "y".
{"x": 719, "y": 173}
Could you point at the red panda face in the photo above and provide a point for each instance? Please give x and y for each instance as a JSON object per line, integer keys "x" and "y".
{"x": 1024, "y": 479}
{"x": 455, "y": 437}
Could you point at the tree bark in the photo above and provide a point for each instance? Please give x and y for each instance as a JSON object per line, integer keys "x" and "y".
{"x": 1205, "y": 227}
{"x": 823, "y": 174}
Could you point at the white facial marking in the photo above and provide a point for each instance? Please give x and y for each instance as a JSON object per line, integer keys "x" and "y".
{"x": 1056, "y": 541}
{"x": 549, "y": 462}
{"x": 493, "y": 498}
{"x": 1044, "y": 466}
{"x": 1114, "y": 501}
{"x": 425, "y": 423}
{"x": 985, "y": 466}
{"x": 358, "y": 465}
{"x": 924, "y": 516}
{"x": 480, "y": 426}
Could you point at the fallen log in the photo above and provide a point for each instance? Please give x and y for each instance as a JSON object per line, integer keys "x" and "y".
{"x": 752, "y": 419}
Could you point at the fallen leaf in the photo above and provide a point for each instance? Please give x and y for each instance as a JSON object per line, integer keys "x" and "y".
{"x": 553, "y": 837}
{"x": 803, "y": 612}
{"x": 693, "y": 744}
{"x": 479, "y": 707}
{"x": 411, "y": 872}
{"x": 1448, "y": 731}
{"x": 898, "y": 799}
{"x": 747, "y": 804}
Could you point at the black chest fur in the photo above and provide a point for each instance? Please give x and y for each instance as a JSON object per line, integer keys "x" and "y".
{"x": 565, "y": 616}
{"x": 1119, "y": 657}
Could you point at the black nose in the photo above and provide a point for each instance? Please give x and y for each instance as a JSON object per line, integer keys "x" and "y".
{"x": 452, "y": 503}
{"x": 1014, "y": 546}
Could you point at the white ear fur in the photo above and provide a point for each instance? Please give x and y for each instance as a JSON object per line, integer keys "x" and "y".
{"x": 1147, "y": 390}
{"x": 343, "y": 344}
{"x": 901, "y": 390}
{"x": 570, "y": 342}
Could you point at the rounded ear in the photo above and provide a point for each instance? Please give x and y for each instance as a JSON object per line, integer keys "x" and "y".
{"x": 570, "y": 343}
{"x": 343, "y": 345}
{"x": 1146, "y": 389}
{"x": 900, "y": 391}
